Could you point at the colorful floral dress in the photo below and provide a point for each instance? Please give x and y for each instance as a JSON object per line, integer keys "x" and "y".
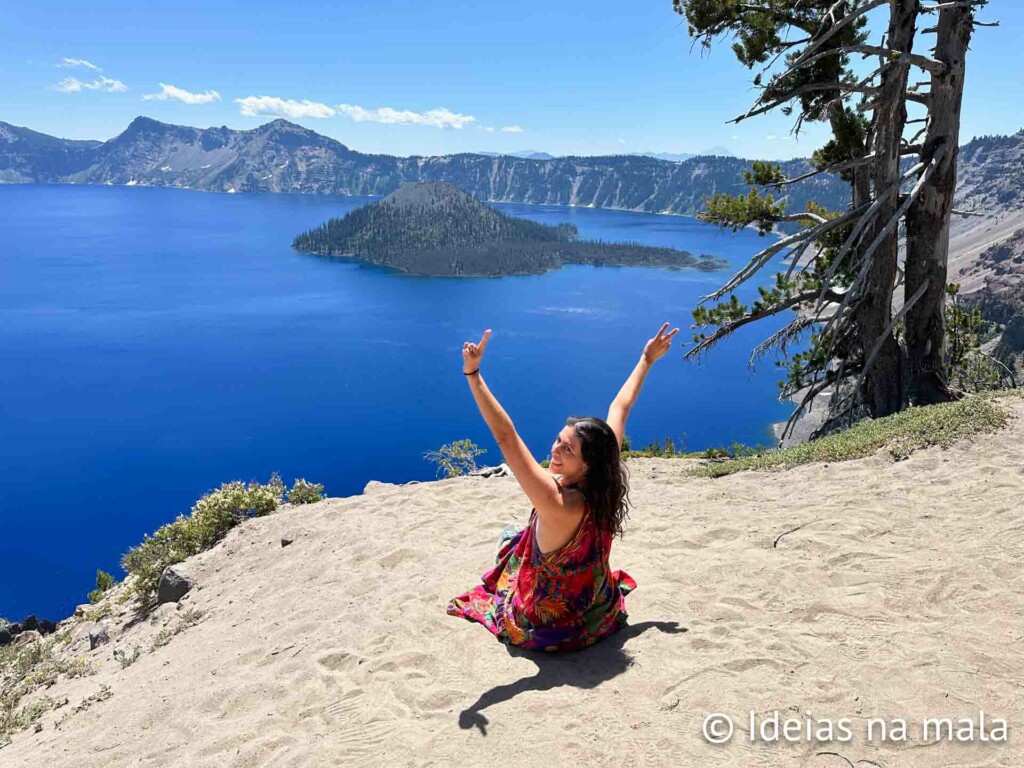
{"x": 564, "y": 600}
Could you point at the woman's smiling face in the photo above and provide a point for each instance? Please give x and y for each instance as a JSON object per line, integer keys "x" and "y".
{"x": 566, "y": 459}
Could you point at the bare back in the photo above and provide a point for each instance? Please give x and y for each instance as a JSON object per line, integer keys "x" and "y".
{"x": 555, "y": 531}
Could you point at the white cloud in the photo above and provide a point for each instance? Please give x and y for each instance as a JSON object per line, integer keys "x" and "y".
{"x": 511, "y": 129}
{"x": 69, "y": 62}
{"x": 255, "y": 106}
{"x": 74, "y": 85}
{"x": 621, "y": 141}
{"x": 170, "y": 92}
{"x": 438, "y": 118}
{"x": 490, "y": 128}
{"x": 734, "y": 136}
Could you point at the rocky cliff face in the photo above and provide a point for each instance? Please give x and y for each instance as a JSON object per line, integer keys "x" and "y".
{"x": 991, "y": 174}
{"x": 284, "y": 157}
{"x": 990, "y": 185}
{"x": 27, "y": 156}
{"x": 1001, "y": 296}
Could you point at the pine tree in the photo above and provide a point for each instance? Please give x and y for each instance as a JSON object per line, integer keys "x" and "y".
{"x": 843, "y": 268}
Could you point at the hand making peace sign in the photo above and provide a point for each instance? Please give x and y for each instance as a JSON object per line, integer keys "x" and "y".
{"x": 659, "y": 345}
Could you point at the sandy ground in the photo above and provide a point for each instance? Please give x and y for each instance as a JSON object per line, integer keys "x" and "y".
{"x": 856, "y": 589}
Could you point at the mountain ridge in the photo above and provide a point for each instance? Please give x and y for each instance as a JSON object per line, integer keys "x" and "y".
{"x": 281, "y": 156}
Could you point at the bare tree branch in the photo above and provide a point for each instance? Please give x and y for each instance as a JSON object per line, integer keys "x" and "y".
{"x": 917, "y": 135}
{"x": 815, "y": 389}
{"x": 951, "y": 4}
{"x": 885, "y": 231}
{"x": 798, "y": 254}
{"x": 858, "y": 228}
{"x": 836, "y": 168}
{"x": 808, "y": 88}
{"x": 1001, "y": 364}
{"x": 841, "y": 24}
{"x": 803, "y": 216}
{"x": 724, "y": 330}
{"x": 762, "y": 258}
{"x": 922, "y": 62}
{"x": 780, "y": 339}
{"x": 889, "y": 56}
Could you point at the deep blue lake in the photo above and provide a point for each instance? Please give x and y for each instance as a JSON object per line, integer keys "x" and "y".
{"x": 155, "y": 343}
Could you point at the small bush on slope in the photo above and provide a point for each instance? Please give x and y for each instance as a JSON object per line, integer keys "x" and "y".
{"x": 26, "y": 668}
{"x": 211, "y": 518}
{"x": 455, "y": 459}
{"x": 304, "y": 492}
{"x": 104, "y": 581}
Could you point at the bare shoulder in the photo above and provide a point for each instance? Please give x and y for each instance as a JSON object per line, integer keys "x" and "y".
{"x": 573, "y": 500}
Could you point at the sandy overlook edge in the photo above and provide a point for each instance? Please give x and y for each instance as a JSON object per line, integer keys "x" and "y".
{"x": 846, "y": 589}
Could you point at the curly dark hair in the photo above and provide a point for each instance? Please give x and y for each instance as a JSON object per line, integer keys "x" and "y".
{"x": 606, "y": 484}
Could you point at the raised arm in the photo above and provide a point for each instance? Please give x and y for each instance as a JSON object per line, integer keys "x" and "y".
{"x": 619, "y": 410}
{"x": 539, "y": 485}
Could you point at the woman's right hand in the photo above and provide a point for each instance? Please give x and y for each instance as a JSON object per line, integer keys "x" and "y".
{"x": 659, "y": 345}
{"x": 472, "y": 354}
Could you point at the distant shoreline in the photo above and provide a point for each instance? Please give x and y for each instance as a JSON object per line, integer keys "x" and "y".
{"x": 335, "y": 194}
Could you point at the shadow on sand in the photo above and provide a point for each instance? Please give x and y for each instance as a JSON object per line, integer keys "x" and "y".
{"x": 581, "y": 669}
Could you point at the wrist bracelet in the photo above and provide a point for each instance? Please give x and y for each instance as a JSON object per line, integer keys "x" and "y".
{"x": 471, "y": 372}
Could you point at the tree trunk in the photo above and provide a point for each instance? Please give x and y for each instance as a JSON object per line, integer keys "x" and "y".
{"x": 883, "y": 385}
{"x": 928, "y": 216}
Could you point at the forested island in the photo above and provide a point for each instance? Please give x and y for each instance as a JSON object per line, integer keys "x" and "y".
{"x": 436, "y": 229}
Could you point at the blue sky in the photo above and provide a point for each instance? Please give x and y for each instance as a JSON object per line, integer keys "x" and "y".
{"x": 567, "y": 77}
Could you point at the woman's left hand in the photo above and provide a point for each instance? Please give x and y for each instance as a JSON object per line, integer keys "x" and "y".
{"x": 659, "y": 345}
{"x": 472, "y": 354}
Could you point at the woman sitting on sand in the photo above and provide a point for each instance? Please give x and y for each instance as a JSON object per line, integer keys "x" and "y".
{"x": 552, "y": 588}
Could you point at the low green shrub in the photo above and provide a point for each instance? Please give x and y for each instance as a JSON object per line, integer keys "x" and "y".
{"x": 454, "y": 459}
{"x": 25, "y": 669}
{"x": 104, "y": 581}
{"x": 902, "y": 433}
{"x": 97, "y": 613}
{"x": 189, "y": 617}
{"x": 211, "y": 518}
{"x": 668, "y": 450}
{"x": 304, "y": 492}
{"x": 162, "y": 638}
{"x": 127, "y": 659}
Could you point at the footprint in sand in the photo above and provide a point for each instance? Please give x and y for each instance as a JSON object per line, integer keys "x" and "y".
{"x": 340, "y": 661}
{"x": 398, "y": 556}
{"x": 359, "y": 729}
